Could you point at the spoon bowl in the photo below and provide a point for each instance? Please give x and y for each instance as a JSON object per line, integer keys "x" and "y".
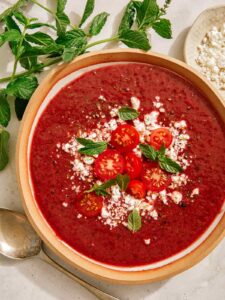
{"x": 18, "y": 240}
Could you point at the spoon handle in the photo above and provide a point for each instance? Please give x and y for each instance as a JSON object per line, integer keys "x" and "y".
{"x": 98, "y": 293}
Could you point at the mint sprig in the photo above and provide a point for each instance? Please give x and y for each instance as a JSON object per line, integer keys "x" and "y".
{"x": 91, "y": 147}
{"x": 4, "y": 139}
{"x": 134, "y": 221}
{"x": 165, "y": 163}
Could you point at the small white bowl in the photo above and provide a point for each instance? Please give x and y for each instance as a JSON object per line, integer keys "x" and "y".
{"x": 214, "y": 16}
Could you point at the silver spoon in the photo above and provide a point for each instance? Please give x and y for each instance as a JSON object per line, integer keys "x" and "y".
{"x": 18, "y": 240}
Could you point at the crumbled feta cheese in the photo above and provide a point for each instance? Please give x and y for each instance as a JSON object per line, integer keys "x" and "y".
{"x": 147, "y": 241}
{"x": 135, "y": 102}
{"x": 114, "y": 112}
{"x": 88, "y": 160}
{"x": 154, "y": 214}
{"x": 102, "y": 98}
{"x": 65, "y": 204}
{"x": 211, "y": 56}
{"x": 140, "y": 126}
{"x": 176, "y": 197}
{"x": 104, "y": 213}
{"x": 194, "y": 193}
{"x": 151, "y": 119}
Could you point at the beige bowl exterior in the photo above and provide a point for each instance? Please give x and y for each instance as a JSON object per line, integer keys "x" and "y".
{"x": 30, "y": 206}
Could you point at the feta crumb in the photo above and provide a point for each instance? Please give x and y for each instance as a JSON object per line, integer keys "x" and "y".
{"x": 176, "y": 197}
{"x": 147, "y": 241}
{"x": 65, "y": 204}
{"x": 154, "y": 214}
{"x": 88, "y": 160}
{"x": 104, "y": 213}
{"x": 135, "y": 102}
{"x": 102, "y": 98}
{"x": 79, "y": 216}
{"x": 194, "y": 193}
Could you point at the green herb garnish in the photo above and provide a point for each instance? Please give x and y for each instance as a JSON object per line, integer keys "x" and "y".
{"x": 134, "y": 221}
{"x": 122, "y": 181}
{"x": 127, "y": 113}
{"x": 4, "y": 139}
{"x": 165, "y": 162}
{"x": 35, "y": 52}
{"x": 91, "y": 147}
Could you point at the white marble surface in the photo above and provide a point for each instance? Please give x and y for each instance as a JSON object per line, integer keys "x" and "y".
{"x": 33, "y": 279}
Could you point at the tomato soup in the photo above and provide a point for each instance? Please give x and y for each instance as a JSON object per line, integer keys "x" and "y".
{"x": 127, "y": 164}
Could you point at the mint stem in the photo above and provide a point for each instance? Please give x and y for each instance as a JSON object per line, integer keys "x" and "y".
{"x": 114, "y": 38}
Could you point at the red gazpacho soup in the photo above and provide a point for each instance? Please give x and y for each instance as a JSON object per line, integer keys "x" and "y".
{"x": 127, "y": 164}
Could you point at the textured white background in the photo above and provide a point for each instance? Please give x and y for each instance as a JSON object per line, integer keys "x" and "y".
{"x": 35, "y": 280}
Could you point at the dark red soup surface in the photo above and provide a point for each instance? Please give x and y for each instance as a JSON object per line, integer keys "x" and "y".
{"x": 174, "y": 209}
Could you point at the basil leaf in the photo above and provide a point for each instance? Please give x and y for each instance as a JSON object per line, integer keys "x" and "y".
{"x": 162, "y": 150}
{"x": 128, "y": 17}
{"x": 22, "y": 87}
{"x": 12, "y": 9}
{"x": 169, "y": 165}
{"x": 89, "y": 7}
{"x": 135, "y": 39}
{"x": 10, "y": 35}
{"x": 127, "y": 113}
{"x": 5, "y": 114}
{"x": 147, "y": 13}
{"x": 149, "y": 151}
{"x": 134, "y": 221}
{"x": 98, "y": 23}
{"x": 61, "y": 5}
{"x": 72, "y": 38}
{"x": 90, "y": 147}
{"x": 39, "y": 38}
{"x": 39, "y": 24}
{"x": 21, "y": 18}
{"x": 163, "y": 28}
{"x": 4, "y": 158}
{"x": 20, "y": 106}
{"x": 101, "y": 190}
{"x": 122, "y": 181}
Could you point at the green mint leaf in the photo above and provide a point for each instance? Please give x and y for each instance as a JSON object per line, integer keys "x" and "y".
{"x": 5, "y": 114}
{"x": 72, "y": 38}
{"x": 22, "y": 87}
{"x": 163, "y": 28}
{"x": 127, "y": 113}
{"x": 39, "y": 38}
{"x": 89, "y": 7}
{"x": 39, "y": 24}
{"x": 135, "y": 39}
{"x": 162, "y": 150}
{"x": 70, "y": 53}
{"x": 28, "y": 62}
{"x": 45, "y": 50}
{"x": 98, "y": 23}
{"x": 169, "y": 165}
{"x": 134, "y": 221}
{"x": 8, "y": 12}
{"x": 20, "y": 106}
{"x": 101, "y": 190}
{"x": 4, "y": 158}
{"x": 11, "y": 24}
{"x": 62, "y": 20}
{"x": 21, "y": 18}
{"x": 91, "y": 147}
{"x": 128, "y": 17}
{"x": 9, "y": 36}
{"x": 147, "y": 13}
{"x": 122, "y": 181}
{"x": 149, "y": 151}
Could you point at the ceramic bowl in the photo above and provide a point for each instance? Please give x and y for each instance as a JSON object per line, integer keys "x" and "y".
{"x": 58, "y": 78}
{"x": 214, "y": 16}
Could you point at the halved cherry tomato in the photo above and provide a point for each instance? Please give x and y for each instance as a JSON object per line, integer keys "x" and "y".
{"x": 90, "y": 205}
{"x": 125, "y": 138}
{"x": 154, "y": 178}
{"x": 133, "y": 165}
{"x": 109, "y": 164}
{"x": 137, "y": 189}
{"x": 159, "y": 137}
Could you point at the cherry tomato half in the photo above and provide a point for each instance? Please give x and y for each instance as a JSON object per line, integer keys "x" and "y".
{"x": 109, "y": 164}
{"x": 155, "y": 179}
{"x": 159, "y": 137}
{"x": 125, "y": 138}
{"x": 133, "y": 165}
{"x": 90, "y": 205}
{"x": 137, "y": 189}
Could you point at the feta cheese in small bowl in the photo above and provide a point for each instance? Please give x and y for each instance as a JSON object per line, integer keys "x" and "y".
{"x": 204, "y": 47}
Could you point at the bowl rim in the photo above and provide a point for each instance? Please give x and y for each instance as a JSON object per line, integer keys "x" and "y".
{"x": 31, "y": 209}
